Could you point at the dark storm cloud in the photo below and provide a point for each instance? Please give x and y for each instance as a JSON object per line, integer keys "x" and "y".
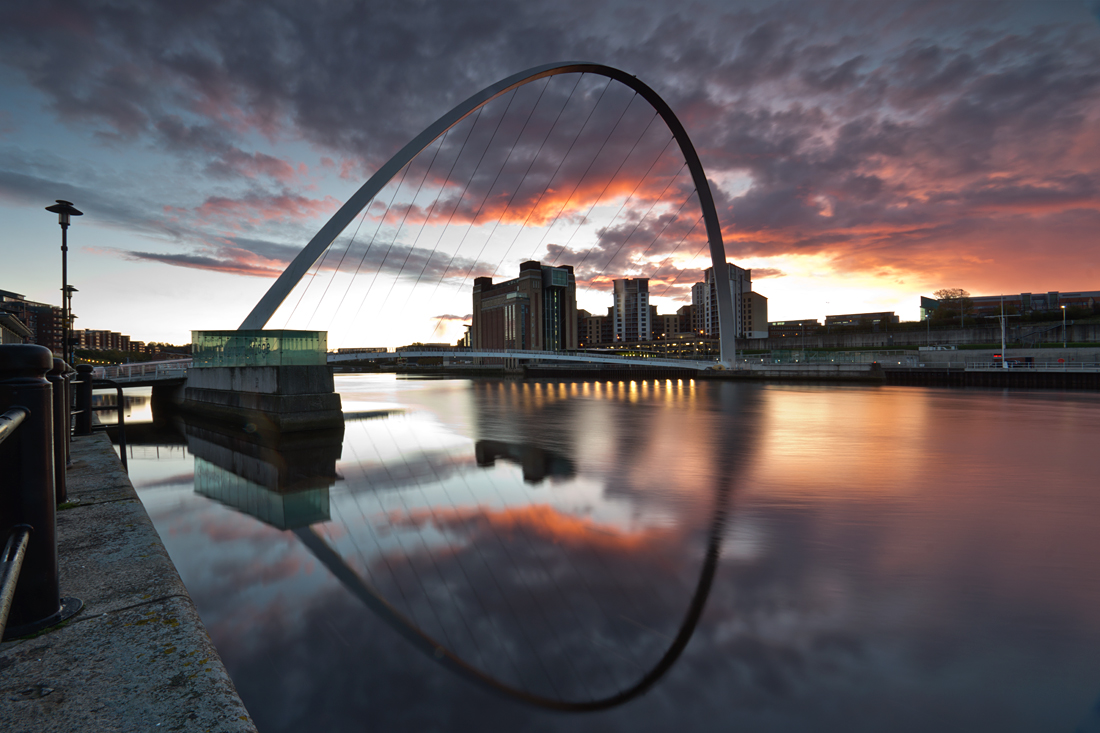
{"x": 238, "y": 266}
{"x": 7, "y": 125}
{"x": 268, "y": 259}
{"x": 850, "y": 122}
{"x": 32, "y": 185}
{"x": 46, "y": 178}
{"x": 324, "y": 67}
{"x": 226, "y": 160}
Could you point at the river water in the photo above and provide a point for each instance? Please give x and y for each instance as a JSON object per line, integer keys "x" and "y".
{"x": 647, "y": 556}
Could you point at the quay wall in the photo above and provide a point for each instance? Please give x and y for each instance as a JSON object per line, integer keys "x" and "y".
{"x": 800, "y": 372}
{"x": 137, "y": 656}
{"x": 943, "y": 373}
{"x": 1003, "y": 378}
{"x": 1016, "y": 336}
{"x": 1073, "y": 356}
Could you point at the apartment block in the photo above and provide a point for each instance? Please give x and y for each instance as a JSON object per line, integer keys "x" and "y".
{"x": 535, "y": 311}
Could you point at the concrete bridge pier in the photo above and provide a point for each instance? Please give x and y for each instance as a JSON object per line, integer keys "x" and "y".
{"x": 265, "y": 381}
{"x": 168, "y": 395}
{"x": 279, "y": 398}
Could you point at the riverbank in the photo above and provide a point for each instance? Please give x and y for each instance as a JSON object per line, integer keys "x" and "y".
{"x": 137, "y": 657}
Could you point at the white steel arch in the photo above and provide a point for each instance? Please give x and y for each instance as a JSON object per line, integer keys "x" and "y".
{"x": 281, "y": 288}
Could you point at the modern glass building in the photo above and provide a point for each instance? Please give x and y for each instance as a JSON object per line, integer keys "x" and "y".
{"x": 258, "y": 348}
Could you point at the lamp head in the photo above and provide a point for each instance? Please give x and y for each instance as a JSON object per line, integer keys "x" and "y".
{"x": 64, "y": 209}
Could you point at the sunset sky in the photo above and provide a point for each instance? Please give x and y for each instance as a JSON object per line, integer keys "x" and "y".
{"x": 861, "y": 154}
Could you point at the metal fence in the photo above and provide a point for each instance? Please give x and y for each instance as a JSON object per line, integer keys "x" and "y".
{"x": 34, "y": 450}
{"x": 144, "y": 371}
{"x": 1076, "y": 366}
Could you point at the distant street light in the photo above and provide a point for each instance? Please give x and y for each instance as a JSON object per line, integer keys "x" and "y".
{"x": 64, "y": 210}
{"x": 1063, "y": 327}
{"x": 69, "y": 290}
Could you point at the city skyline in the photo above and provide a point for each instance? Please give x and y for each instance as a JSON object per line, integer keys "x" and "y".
{"x": 860, "y": 155}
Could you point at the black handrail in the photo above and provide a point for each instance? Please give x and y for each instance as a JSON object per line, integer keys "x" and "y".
{"x": 83, "y": 411}
{"x": 120, "y": 404}
{"x": 11, "y": 563}
{"x": 61, "y": 421}
{"x": 10, "y": 420}
{"x": 28, "y": 500}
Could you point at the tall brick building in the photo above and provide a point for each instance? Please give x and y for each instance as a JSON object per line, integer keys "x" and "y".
{"x": 46, "y": 322}
{"x": 535, "y": 311}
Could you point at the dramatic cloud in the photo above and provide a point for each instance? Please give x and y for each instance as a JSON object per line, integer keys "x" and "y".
{"x": 233, "y": 213}
{"x": 931, "y": 140}
{"x": 244, "y": 264}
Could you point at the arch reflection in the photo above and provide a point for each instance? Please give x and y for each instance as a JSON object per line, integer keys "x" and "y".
{"x": 437, "y": 650}
{"x": 586, "y": 609}
{"x": 534, "y": 596}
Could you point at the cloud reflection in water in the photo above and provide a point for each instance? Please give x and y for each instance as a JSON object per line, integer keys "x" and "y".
{"x": 940, "y": 590}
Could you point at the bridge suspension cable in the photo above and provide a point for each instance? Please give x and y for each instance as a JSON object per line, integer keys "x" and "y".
{"x": 514, "y": 185}
{"x": 450, "y": 567}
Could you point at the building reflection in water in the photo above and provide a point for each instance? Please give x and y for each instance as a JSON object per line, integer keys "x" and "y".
{"x": 536, "y": 462}
{"x": 282, "y": 480}
{"x": 839, "y": 593}
{"x": 137, "y": 405}
{"x": 581, "y": 597}
{"x": 542, "y": 599}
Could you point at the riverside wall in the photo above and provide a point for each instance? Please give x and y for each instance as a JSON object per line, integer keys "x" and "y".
{"x": 1016, "y": 336}
{"x": 1049, "y": 357}
{"x": 137, "y": 656}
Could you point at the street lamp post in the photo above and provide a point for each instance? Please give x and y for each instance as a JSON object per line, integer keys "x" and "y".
{"x": 69, "y": 290}
{"x": 64, "y": 210}
{"x": 1063, "y": 327}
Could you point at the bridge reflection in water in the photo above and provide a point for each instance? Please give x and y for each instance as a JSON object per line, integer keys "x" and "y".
{"x": 282, "y": 481}
{"x": 457, "y": 547}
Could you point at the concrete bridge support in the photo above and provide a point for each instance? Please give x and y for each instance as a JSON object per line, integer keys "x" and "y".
{"x": 265, "y": 398}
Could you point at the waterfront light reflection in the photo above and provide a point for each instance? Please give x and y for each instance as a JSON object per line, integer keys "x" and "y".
{"x": 882, "y": 545}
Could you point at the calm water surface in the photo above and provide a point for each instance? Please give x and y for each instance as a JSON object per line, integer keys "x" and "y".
{"x": 653, "y": 556}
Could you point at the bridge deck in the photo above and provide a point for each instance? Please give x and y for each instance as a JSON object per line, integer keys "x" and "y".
{"x": 175, "y": 371}
{"x": 557, "y": 356}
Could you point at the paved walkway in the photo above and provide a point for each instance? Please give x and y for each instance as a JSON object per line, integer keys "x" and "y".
{"x": 137, "y": 657}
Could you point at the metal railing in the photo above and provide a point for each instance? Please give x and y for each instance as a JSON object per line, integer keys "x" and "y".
{"x": 86, "y": 383}
{"x": 1046, "y": 366}
{"x": 15, "y": 548}
{"x": 11, "y": 564}
{"x": 983, "y": 364}
{"x": 10, "y": 420}
{"x": 469, "y": 351}
{"x": 33, "y": 452}
{"x": 120, "y": 406}
{"x": 655, "y": 359}
{"x": 144, "y": 371}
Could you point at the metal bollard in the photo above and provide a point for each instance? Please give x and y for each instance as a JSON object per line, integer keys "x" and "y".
{"x": 27, "y": 486}
{"x": 56, "y": 377}
{"x": 83, "y": 400}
